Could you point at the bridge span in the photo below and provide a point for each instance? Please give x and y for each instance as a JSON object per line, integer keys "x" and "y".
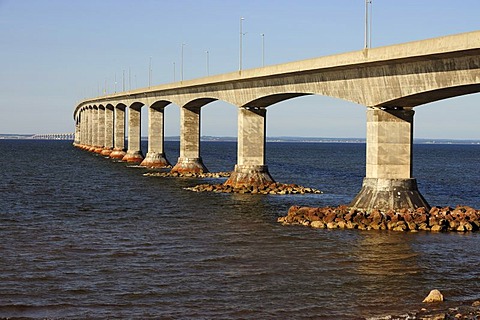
{"x": 389, "y": 81}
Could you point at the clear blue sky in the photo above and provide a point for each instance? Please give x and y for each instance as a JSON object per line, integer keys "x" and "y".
{"x": 56, "y": 52}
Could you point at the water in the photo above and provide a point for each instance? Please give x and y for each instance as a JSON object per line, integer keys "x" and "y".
{"x": 84, "y": 237}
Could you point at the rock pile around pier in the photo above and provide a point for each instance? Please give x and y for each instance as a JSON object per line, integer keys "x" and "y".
{"x": 464, "y": 311}
{"x": 272, "y": 188}
{"x": 188, "y": 175}
{"x": 460, "y": 219}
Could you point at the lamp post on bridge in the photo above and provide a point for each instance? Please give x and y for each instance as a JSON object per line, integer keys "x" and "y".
{"x": 174, "y": 72}
{"x": 181, "y": 65}
{"x": 207, "y": 63}
{"x": 241, "y": 44}
{"x": 368, "y": 24}
{"x": 150, "y": 73}
{"x": 123, "y": 81}
{"x": 263, "y": 49}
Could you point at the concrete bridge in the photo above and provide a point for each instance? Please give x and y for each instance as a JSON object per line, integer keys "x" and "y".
{"x": 389, "y": 81}
{"x": 54, "y": 136}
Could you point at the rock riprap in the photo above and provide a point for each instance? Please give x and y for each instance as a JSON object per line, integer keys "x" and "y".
{"x": 271, "y": 188}
{"x": 459, "y": 219}
{"x": 188, "y": 175}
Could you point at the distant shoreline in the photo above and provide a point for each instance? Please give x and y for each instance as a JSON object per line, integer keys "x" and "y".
{"x": 280, "y": 139}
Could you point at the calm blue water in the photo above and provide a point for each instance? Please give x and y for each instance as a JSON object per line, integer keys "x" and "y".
{"x": 83, "y": 237}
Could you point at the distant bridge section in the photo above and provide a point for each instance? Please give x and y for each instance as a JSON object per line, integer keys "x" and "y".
{"x": 389, "y": 81}
{"x": 54, "y": 136}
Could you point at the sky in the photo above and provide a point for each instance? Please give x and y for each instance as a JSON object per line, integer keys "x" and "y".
{"x": 55, "y": 53}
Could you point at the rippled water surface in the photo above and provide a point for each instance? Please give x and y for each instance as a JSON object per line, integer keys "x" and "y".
{"x": 85, "y": 237}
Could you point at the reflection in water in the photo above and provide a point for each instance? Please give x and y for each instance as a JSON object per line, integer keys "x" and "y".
{"x": 384, "y": 259}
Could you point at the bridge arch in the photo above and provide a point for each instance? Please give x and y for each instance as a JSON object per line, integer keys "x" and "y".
{"x": 426, "y": 97}
{"x": 271, "y": 99}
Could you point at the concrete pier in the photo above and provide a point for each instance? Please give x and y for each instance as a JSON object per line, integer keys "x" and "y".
{"x": 108, "y": 138}
{"x": 89, "y": 137}
{"x": 100, "y": 130}
{"x": 119, "y": 133}
{"x": 388, "y": 183}
{"x": 155, "y": 157}
{"x": 250, "y": 169}
{"x": 189, "y": 160}
{"x": 94, "y": 144}
{"x": 134, "y": 152}
{"x": 76, "y": 140}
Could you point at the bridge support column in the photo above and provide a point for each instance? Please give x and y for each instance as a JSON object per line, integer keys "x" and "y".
{"x": 134, "y": 152}
{"x": 189, "y": 160}
{"x": 86, "y": 126}
{"x": 155, "y": 157}
{"x": 76, "y": 136}
{"x": 94, "y": 134}
{"x": 108, "y": 139}
{"x": 388, "y": 183}
{"x": 101, "y": 130}
{"x": 250, "y": 169}
{"x": 81, "y": 118}
{"x": 83, "y": 128}
{"x": 119, "y": 133}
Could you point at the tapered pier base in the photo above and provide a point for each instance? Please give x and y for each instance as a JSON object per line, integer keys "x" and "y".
{"x": 118, "y": 153}
{"x": 386, "y": 194}
{"x": 155, "y": 160}
{"x": 189, "y": 165}
{"x": 249, "y": 175}
{"x": 133, "y": 157}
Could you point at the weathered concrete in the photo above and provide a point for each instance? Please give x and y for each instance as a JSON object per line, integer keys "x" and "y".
{"x": 155, "y": 157}
{"x": 403, "y": 75}
{"x": 189, "y": 160}
{"x": 94, "y": 144}
{"x": 108, "y": 132}
{"x": 76, "y": 137}
{"x": 393, "y": 77}
{"x": 101, "y": 129}
{"x": 134, "y": 152}
{"x": 388, "y": 183}
{"x": 83, "y": 129}
{"x": 250, "y": 169}
{"x": 89, "y": 113}
{"x": 119, "y": 133}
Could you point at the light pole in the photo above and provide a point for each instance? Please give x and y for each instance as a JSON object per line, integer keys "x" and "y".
{"x": 241, "y": 44}
{"x": 181, "y": 64}
{"x": 150, "y": 73}
{"x": 368, "y": 24}
{"x": 174, "y": 72}
{"x": 263, "y": 49}
{"x": 174, "y": 77}
{"x": 207, "y": 63}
